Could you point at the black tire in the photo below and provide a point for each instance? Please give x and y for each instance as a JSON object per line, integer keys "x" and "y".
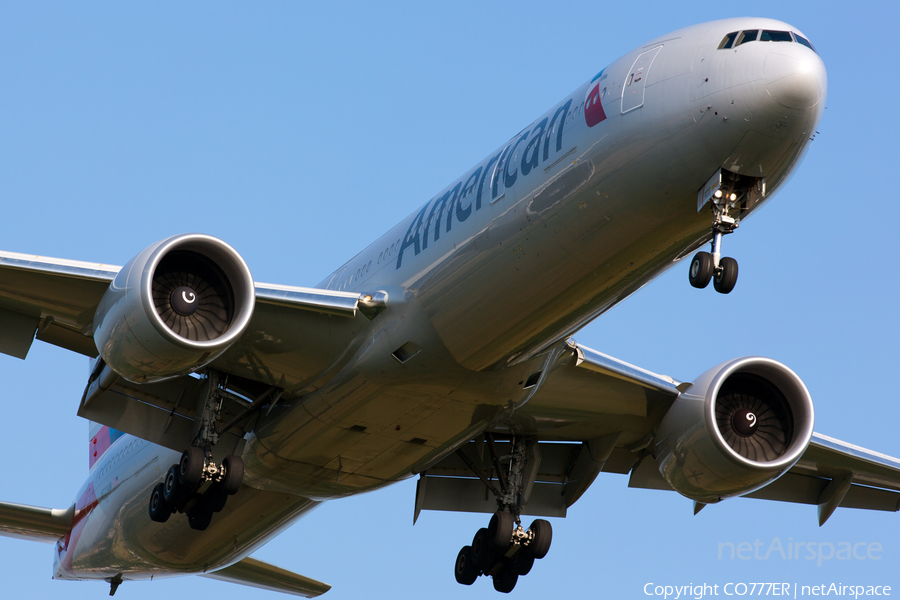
{"x": 726, "y": 278}
{"x": 524, "y": 562}
{"x": 701, "y": 270}
{"x": 173, "y": 491}
{"x": 215, "y": 498}
{"x": 505, "y": 579}
{"x": 190, "y": 469}
{"x": 199, "y": 517}
{"x": 234, "y": 474}
{"x": 465, "y": 570}
{"x": 160, "y": 510}
{"x": 500, "y": 530}
{"x": 543, "y": 535}
{"x": 483, "y": 554}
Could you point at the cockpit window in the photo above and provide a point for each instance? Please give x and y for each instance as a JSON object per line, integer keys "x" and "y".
{"x": 728, "y": 40}
{"x": 747, "y": 36}
{"x": 805, "y": 42}
{"x": 736, "y": 38}
{"x": 775, "y": 36}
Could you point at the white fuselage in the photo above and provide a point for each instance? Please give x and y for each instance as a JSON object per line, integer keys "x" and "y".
{"x": 569, "y": 217}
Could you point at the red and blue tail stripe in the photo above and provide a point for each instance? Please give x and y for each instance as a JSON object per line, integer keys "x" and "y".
{"x": 100, "y": 443}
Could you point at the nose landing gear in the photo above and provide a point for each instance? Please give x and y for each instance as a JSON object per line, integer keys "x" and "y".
{"x": 727, "y": 192}
{"x": 705, "y": 266}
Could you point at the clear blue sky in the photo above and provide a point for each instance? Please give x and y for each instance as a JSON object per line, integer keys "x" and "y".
{"x": 299, "y": 132}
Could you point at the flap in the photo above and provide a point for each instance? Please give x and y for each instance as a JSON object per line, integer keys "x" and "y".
{"x": 561, "y": 474}
{"x": 256, "y": 573}
{"x": 35, "y": 523}
{"x": 163, "y": 413}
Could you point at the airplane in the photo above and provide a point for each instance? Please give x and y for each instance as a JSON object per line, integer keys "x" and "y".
{"x": 224, "y": 408}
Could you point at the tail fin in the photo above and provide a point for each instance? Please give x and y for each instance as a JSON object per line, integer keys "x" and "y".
{"x": 101, "y": 438}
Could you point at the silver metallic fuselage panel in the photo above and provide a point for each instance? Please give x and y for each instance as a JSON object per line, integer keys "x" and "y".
{"x": 485, "y": 283}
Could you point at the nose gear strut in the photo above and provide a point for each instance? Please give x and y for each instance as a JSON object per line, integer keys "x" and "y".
{"x": 727, "y": 192}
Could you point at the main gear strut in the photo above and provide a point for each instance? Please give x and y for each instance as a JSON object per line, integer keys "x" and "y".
{"x": 180, "y": 490}
{"x": 504, "y": 550}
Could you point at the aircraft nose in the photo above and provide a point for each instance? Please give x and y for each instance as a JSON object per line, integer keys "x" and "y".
{"x": 795, "y": 81}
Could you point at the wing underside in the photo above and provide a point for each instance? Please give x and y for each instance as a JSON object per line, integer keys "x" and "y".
{"x": 597, "y": 414}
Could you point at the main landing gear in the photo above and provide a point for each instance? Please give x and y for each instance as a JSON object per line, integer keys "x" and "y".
{"x": 705, "y": 266}
{"x": 181, "y": 489}
{"x": 504, "y": 550}
{"x": 197, "y": 485}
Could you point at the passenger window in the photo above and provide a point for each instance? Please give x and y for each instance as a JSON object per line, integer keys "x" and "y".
{"x": 747, "y": 36}
{"x": 775, "y": 36}
{"x": 728, "y": 40}
{"x": 805, "y": 42}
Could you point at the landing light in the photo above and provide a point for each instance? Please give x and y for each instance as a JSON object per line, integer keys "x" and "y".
{"x": 718, "y": 194}
{"x": 733, "y": 197}
{"x": 367, "y": 298}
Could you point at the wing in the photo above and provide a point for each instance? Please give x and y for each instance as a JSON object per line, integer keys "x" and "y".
{"x": 613, "y": 409}
{"x": 256, "y": 573}
{"x": 35, "y": 523}
{"x": 50, "y": 297}
{"x": 830, "y": 474}
{"x": 56, "y": 299}
{"x": 296, "y": 335}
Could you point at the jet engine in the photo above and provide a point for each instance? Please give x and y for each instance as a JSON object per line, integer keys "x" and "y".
{"x": 739, "y": 427}
{"x": 174, "y": 308}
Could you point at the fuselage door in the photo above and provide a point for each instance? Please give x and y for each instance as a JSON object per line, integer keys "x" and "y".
{"x": 633, "y": 90}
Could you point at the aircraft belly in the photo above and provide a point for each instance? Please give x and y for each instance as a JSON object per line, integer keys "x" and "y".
{"x": 379, "y": 420}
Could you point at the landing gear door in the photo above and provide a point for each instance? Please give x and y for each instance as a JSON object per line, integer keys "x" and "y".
{"x": 707, "y": 191}
{"x": 633, "y": 90}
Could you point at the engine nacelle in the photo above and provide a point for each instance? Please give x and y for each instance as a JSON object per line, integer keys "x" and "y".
{"x": 174, "y": 308}
{"x": 739, "y": 427}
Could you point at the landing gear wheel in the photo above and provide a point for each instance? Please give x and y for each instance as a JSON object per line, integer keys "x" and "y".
{"x": 199, "y": 518}
{"x": 483, "y": 554}
{"x": 524, "y": 562}
{"x": 701, "y": 270}
{"x": 234, "y": 474}
{"x": 190, "y": 469}
{"x": 160, "y": 510}
{"x": 727, "y": 275}
{"x": 505, "y": 580}
{"x": 174, "y": 491}
{"x": 500, "y": 529}
{"x": 543, "y": 535}
{"x": 215, "y": 498}
{"x": 465, "y": 570}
